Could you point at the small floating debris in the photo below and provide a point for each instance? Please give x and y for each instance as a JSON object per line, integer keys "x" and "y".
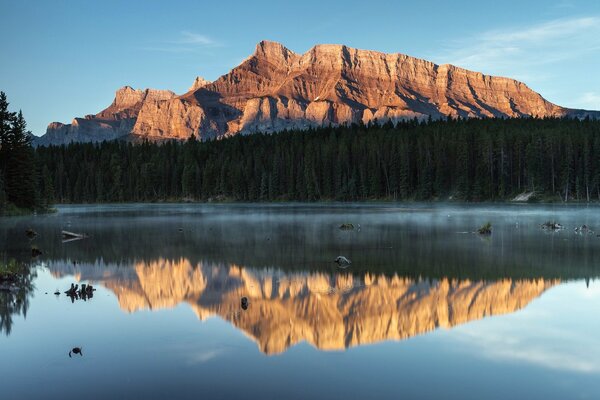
{"x": 342, "y": 262}
{"x": 57, "y": 293}
{"x": 76, "y": 350}
{"x": 35, "y": 252}
{"x": 70, "y": 236}
{"x": 244, "y": 303}
{"x": 485, "y": 229}
{"x": 552, "y": 226}
{"x": 583, "y": 229}
{"x": 30, "y": 233}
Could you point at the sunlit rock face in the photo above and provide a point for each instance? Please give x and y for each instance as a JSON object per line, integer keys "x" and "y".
{"x": 116, "y": 121}
{"x": 199, "y": 82}
{"x": 276, "y": 89}
{"x": 331, "y": 311}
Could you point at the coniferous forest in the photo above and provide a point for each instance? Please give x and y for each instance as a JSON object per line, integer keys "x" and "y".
{"x": 462, "y": 160}
{"x": 25, "y": 185}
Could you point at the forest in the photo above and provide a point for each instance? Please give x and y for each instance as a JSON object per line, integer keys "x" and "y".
{"x": 441, "y": 160}
{"x": 25, "y": 186}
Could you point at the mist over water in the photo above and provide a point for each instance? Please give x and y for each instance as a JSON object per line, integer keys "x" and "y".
{"x": 424, "y": 296}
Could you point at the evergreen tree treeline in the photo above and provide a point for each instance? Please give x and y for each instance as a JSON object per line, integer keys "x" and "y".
{"x": 19, "y": 178}
{"x": 471, "y": 160}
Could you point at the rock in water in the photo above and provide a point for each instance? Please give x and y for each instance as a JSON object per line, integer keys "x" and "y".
{"x": 552, "y": 225}
{"x": 76, "y": 350}
{"x": 342, "y": 261}
{"x": 485, "y": 229}
{"x": 30, "y": 233}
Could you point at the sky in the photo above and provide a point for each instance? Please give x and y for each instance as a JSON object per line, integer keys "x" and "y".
{"x": 61, "y": 59}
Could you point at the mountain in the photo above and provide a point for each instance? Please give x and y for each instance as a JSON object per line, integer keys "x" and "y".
{"x": 331, "y": 311}
{"x": 111, "y": 123}
{"x": 276, "y": 89}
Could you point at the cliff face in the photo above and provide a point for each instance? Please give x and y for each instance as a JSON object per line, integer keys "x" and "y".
{"x": 115, "y": 121}
{"x": 275, "y": 89}
{"x": 329, "y": 311}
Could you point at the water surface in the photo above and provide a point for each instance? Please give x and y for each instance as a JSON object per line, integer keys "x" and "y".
{"x": 427, "y": 309}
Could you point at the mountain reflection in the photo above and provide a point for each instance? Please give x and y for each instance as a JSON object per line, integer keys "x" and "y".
{"x": 328, "y": 309}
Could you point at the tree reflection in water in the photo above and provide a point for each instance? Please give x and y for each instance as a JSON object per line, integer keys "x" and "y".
{"x": 16, "y": 288}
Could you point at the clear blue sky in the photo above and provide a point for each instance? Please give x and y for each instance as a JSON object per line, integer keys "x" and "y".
{"x": 61, "y": 59}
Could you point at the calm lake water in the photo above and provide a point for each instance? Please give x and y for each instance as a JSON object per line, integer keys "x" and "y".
{"x": 427, "y": 309}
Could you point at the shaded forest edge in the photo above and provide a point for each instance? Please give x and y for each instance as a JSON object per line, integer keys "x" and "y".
{"x": 462, "y": 160}
{"x": 25, "y": 184}
{"x": 445, "y": 160}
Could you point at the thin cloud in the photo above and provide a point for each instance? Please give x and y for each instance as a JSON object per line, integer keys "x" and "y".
{"x": 202, "y": 357}
{"x": 541, "y": 335}
{"x": 507, "y": 345}
{"x": 563, "y": 5}
{"x": 589, "y": 100}
{"x": 188, "y": 37}
{"x": 516, "y": 52}
{"x": 186, "y": 42}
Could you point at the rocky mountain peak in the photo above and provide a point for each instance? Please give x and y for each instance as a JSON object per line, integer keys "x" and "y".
{"x": 276, "y": 89}
{"x": 199, "y": 82}
{"x": 127, "y": 97}
{"x": 273, "y": 51}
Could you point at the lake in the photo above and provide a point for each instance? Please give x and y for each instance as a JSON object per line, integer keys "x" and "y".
{"x": 427, "y": 309}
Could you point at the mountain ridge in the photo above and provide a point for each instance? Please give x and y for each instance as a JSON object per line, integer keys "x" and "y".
{"x": 276, "y": 89}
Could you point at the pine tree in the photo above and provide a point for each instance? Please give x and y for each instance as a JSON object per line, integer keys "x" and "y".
{"x": 474, "y": 159}
{"x": 19, "y": 172}
{"x": 5, "y": 126}
{"x": 47, "y": 194}
{"x": 3, "y": 199}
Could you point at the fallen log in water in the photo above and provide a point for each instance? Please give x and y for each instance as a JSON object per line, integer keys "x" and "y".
{"x": 68, "y": 236}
